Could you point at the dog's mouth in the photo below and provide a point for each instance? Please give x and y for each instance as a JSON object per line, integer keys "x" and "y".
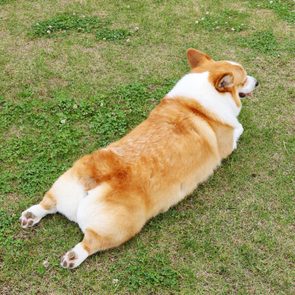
{"x": 243, "y": 94}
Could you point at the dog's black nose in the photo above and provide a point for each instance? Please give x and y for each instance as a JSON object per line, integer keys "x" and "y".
{"x": 257, "y": 83}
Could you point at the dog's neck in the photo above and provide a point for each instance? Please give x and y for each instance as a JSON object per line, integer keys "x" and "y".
{"x": 196, "y": 86}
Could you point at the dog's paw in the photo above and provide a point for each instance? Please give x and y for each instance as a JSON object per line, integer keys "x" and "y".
{"x": 28, "y": 219}
{"x": 69, "y": 260}
{"x": 74, "y": 257}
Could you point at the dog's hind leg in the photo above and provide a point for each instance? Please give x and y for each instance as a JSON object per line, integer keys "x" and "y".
{"x": 63, "y": 197}
{"x": 35, "y": 213}
{"x": 108, "y": 219}
{"x": 91, "y": 243}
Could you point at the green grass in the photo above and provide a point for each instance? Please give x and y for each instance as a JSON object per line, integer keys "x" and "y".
{"x": 226, "y": 20}
{"x": 64, "y": 96}
{"x": 66, "y": 22}
{"x": 5, "y": 1}
{"x": 151, "y": 270}
{"x": 283, "y": 8}
{"x": 62, "y": 24}
{"x": 263, "y": 42}
{"x": 112, "y": 35}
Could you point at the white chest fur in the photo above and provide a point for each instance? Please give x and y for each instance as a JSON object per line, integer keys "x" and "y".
{"x": 196, "y": 86}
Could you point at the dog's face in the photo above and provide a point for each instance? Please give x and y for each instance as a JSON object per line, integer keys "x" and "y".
{"x": 225, "y": 76}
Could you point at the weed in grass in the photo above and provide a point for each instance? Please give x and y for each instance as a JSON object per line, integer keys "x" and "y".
{"x": 66, "y": 22}
{"x": 283, "y": 8}
{"x": 7, "y": 231}
{"x": 261, "y": 41}
{"x": 248, "y": 256}
{"x": 145, "y": 271}
{"x": 112, "y": 35}
{"x": 5, "y": 1}
{"x": 226, "y": 20}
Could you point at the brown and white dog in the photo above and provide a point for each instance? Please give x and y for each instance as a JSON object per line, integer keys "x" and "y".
{"x": 114, "y": 191}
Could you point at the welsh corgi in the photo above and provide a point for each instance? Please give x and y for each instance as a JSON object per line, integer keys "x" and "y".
{"x": 112, "y": 192}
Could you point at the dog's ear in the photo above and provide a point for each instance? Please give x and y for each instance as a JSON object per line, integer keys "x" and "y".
{"x": 223, "y": 81}
{"x": 196, "y": 57}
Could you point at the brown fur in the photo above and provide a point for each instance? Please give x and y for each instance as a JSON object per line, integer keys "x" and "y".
{"x": 93, "y": 242}
{"x": 201, "y": 62}
{"x": 158, "y": 163}
{"x": 179, "y": 145}
{"x": 48, "y": 201}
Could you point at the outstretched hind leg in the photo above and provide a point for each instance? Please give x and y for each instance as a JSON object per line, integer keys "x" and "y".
{"x": 63, "y": 197}
{"x": 106, "y": 225}
{"x": 91, "y": 243}
{"x": 35, "y": 213}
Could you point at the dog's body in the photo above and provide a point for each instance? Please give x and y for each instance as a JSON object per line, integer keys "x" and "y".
{"x": 112, "y": 192}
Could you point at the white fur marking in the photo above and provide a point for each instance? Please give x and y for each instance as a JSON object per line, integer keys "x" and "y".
{"x": 91, "y": 209}
{"x": 38, "y": 213}
{"x": 249, "y": 85}
{"x": 80, "y": 255}
{"x": 68, "y": 192}
{"x": 196, "y": 86}
{"x": 237, "y": 133}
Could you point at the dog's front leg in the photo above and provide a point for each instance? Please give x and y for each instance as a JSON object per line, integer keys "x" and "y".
{"x": 237, "y": 133}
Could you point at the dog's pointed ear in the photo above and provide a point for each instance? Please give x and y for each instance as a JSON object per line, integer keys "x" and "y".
{"x": 196, "y": 57}
{"x": 223, "y": 81}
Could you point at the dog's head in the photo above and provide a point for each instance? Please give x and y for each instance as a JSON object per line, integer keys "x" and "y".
{"x": 225, "y": 76}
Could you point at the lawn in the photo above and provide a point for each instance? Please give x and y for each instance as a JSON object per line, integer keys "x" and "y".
{"x": 76, "y": 75}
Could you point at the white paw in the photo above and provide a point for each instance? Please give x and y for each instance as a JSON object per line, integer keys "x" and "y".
{"x": 28, "y": 219}
{"x": 32, "y": 216}
{"x": 74, "y": 257}
{"x": 69, "y": 260}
